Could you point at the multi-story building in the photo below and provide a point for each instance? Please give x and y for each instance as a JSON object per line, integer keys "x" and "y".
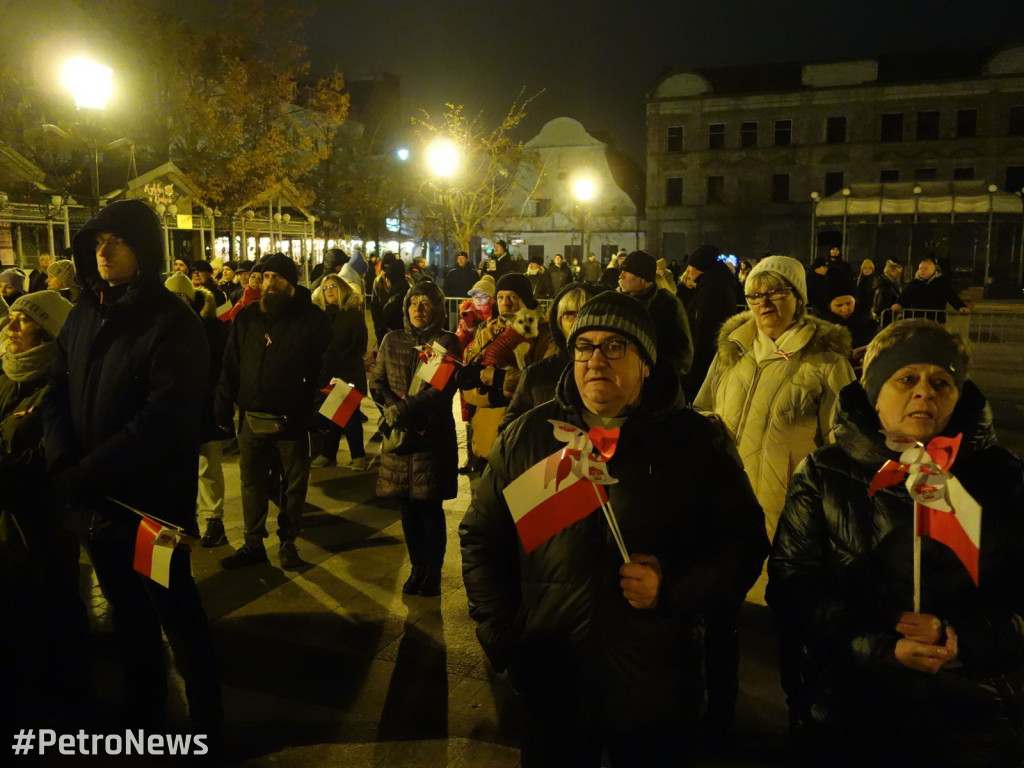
{"x": 734, "y": 154}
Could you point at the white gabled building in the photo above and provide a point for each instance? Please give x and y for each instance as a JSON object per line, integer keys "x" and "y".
{"x": 547, "y": 216}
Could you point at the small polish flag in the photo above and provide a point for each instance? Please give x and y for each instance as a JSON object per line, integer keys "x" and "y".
{"x": 154, "y": 546}
{"x": 342, "y": 401}
{"x": 224, "y": 310}
{"x": 542, "y": 504}
{"x": 960, "y": 530}
{"x": 438, "y": 367}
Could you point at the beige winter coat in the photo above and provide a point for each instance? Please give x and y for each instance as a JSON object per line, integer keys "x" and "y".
{"x": 778, "y": 410}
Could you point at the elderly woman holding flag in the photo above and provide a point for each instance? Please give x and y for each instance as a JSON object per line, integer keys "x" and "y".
{"x": 914, "y": 635}
{"x": 606, "y": 521}
{"x": 413, "y": 384}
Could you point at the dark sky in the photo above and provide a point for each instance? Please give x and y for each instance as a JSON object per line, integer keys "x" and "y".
{"x": 598, "y": 59}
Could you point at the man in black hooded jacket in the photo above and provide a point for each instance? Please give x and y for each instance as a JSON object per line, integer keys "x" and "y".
{"x": 272, "y": 365}
{"x": 122, "y": 424}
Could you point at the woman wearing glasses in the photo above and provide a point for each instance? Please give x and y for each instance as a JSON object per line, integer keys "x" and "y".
{"x": 774, "y": 383}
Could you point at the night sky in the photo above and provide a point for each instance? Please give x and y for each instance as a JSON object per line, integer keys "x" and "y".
{"x": 598, "y": 59}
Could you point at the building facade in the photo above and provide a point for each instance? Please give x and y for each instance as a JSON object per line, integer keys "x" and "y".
{"x": 568, "y": 200}
{"x": 734, "y": 154}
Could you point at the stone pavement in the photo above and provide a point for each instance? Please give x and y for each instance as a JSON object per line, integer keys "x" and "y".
{"x": 332, "y": 665}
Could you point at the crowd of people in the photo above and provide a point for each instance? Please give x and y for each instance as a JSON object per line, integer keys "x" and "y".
{"x": 644, "y": 459}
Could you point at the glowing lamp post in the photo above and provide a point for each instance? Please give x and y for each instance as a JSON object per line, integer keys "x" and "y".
{"x": 443, "y": 161}
{"x": 584, "y": 189}
{"x": 90, "y": 84}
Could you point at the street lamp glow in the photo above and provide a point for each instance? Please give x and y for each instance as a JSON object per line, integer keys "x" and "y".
{"x": 402, "y": 154}
{"x": 90, "y": 83}
{"x": 584, "y": 188}
{"x": 443, "y": 158}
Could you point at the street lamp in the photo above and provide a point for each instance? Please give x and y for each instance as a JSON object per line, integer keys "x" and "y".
{"x": 443, "y": 161}
{"x": 584, "y": 189}
{"x": 90, "y": 84}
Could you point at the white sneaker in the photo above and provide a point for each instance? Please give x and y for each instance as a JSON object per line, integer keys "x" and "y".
{"x": 358, "y": 465}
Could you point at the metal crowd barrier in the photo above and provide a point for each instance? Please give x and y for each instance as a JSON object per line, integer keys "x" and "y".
{"x": 452, "y": 304}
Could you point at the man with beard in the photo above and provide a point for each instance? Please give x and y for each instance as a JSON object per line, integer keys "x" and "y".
{"x": 271, "y": 368}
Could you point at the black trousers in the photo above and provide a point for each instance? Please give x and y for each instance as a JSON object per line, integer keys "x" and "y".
{"x": 140, "y": 608}
{"x": 425, "y": 533}
{"x": 353, "y": 432}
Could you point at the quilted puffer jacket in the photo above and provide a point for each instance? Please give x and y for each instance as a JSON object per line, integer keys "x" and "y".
{"x": 426, "y": 467}
{"x": 841, "y": 571}
{"x": 777, "y": 410}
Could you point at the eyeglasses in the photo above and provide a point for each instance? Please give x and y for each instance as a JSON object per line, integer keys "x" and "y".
{"x": 108, "y": 240}
{"x": 611, "y": 349}
{"x": 569, "y": 316}
{"x": 775, "y": 294}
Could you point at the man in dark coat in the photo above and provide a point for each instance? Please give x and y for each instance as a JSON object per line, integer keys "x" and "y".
{"x": 844, "y": 310}
{"x": 122, "y": 424}
{"x": 605, "y": 653}
{"x": 929, "y": 293}
{"x": 711, "y": 303}
{"x": 675, "y": 347}
{"x": 459, "y": 280}
{"x": 202, "y": 277}
{"x": 503, "y": 261}
{"x": 272, "y": 365}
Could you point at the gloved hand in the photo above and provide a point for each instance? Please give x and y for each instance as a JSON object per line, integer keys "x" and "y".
{"x": 391, "y": 414}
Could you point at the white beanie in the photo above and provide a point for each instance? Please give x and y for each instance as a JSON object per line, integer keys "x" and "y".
{"x": 178, "y": 283}
{"x": 48, "y": 309}
{"x": 788, "y": 268}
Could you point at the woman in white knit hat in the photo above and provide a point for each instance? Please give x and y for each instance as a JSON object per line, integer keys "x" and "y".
{"x": 774, "y": 383}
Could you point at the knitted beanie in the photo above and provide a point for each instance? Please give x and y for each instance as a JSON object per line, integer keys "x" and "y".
{"x": 484, "y": 285}
{"x": 47, "y": 308}
{"x": 178, "y": 283}
{"x": 704, "y": 257}
{"x": 520, "y": 285}
{"x": 13, "y": 277}
{"x": 63, "y": 270}
{"x": 620, "y": 313}
{"x": 641, "y": 264}
{"x": 281, "y": 265}
{"x": 791, "y": 270}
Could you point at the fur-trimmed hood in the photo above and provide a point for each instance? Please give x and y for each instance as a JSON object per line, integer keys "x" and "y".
{"x": 738, "y": 333}
{"x": 204, "y": 303}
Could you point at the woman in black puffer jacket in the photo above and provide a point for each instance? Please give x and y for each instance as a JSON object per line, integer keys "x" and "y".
{"x": 883, "y": 685}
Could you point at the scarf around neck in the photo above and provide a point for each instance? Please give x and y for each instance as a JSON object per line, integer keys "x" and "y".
{"x": 30, "y": 364}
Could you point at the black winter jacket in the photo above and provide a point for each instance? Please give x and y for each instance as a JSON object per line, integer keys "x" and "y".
{"x": 675, "y": 347}
{"x": 349, "y": 337}
{"x": 128, "y": 381}
{"x": 681, "y": 495}
{"x": 841, "y": 572}
{"x": 712, "y": 303}
{"x": 273, "y": 361}
{"x": 933, "y": 294}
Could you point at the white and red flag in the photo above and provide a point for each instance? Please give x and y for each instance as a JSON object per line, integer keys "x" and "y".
{"x": 224, "y": 310}
{"x": 543, "y": 504}
{"x": 565, "y": 487}
{"x": 155, "y": 544}
{"x": 943, "y": 509}
{"x": 436, "y": 365}
{"x": 342, "y": 401}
